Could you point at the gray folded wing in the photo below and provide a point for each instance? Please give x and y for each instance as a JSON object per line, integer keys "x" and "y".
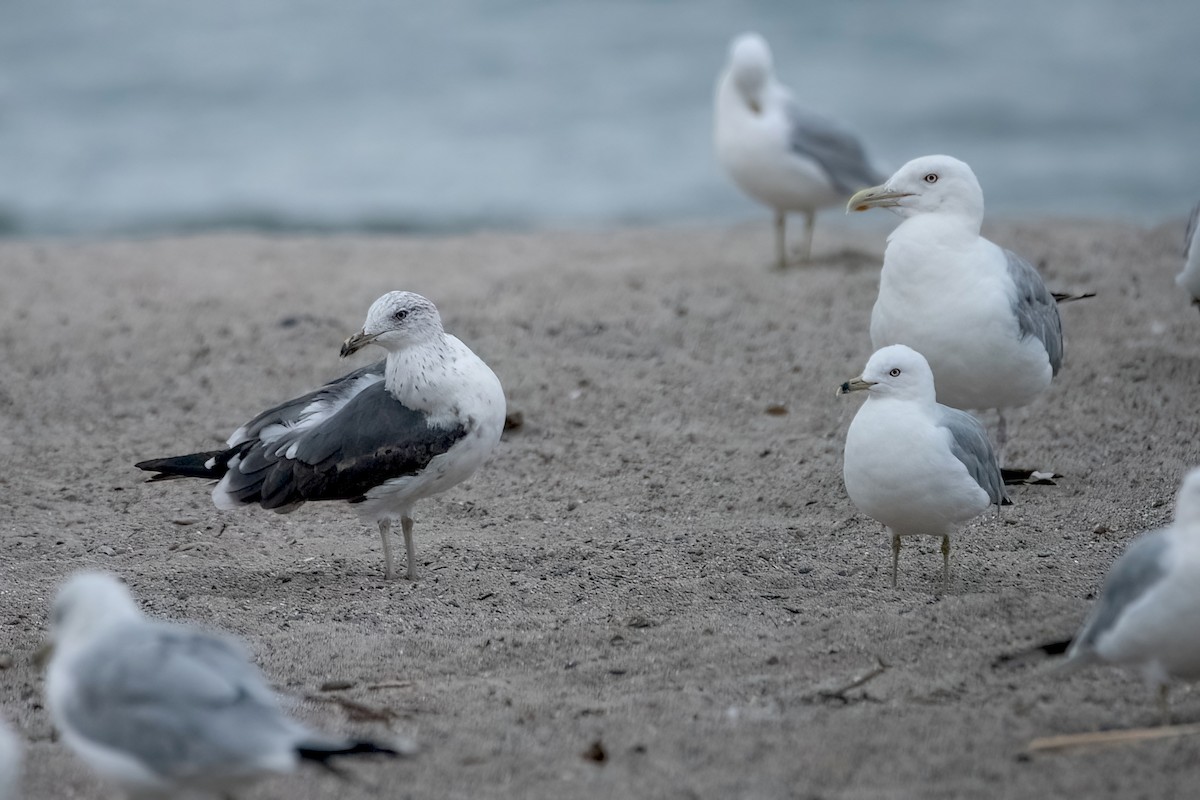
{"x": 838, "y": 151}
{"x": 289, "y": 412}
{"x": 179, "y": 701}
{"x": 970, "y": 445}
{"x": 371, "y": 439}
{"x": 1036, "y": 309}
{"x": 1139, "y": 569}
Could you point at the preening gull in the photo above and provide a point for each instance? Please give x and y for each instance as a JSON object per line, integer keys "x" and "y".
{"x": 1189, "y": 279}
{"x": 915, "y": 465}
{"x": 784, "y": 156}
{"x": 161, "y": 708}
{"x": 980, "y": 314}
{"x": 10, "y": 762}
{"x": 380, "y": 438}
{"x": 1148, "y": 614}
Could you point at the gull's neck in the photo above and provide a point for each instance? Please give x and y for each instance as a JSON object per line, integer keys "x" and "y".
{"x": 915, "y": 403}
{"x": 80, "y": 633}
{"x": 940, "y": 228}
{"x": 412, "y": 374}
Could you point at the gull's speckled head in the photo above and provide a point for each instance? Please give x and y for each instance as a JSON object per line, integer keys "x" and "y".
{"x": 929, "y": 184}
{"x": 395, "y": 321}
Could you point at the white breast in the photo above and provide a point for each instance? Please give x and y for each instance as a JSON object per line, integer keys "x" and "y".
{"x": 954, "y": 306}
{"x": 899, "y": 470}
{"x": 464, "y": 392}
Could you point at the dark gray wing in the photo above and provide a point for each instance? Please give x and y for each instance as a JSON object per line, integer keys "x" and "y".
{"x": 838, "y": 151}
{"x": 178, "y": 700}
{"x": 1138, "y": 569}
{"x": 289, "y": 412}
{"x": 1190, "y": 234}
{"x": 1036, "y": 310}
{"x": 970, "y": 445}
{"x": 371, "y": 439}
{"x": 214, "y": 463}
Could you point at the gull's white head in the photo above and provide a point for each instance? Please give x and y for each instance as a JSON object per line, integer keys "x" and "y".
{"x": 87, "y": 603}
{"x": 750, "y": 68}
{"x": 395, "y": 321}
{"x": 1187, "y": 503}
{"x": 926, "y": 185}
{"x": 895, "y": 371}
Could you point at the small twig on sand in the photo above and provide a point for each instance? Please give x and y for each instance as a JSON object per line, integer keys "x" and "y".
{"x": 1047, "y": 744}
{"x": 374, "y": 687}
{"x": 359, "y": 712}
{"x": 840, "y": 692}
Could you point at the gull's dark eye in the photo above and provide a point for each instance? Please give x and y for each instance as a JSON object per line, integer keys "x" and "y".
{"x": 931, "y": 177}
{"x": 400, "y": 315}
{"x": 895, "y": 371}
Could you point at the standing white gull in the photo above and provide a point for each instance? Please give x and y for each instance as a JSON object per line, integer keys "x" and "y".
{"x": 980, "y": 314}
{"x": 784, "y": 156}
{"x": 1189, "y": 279}
{"x": 1148, "y": 614}
{"x": 917, "y": 466}
{"x": 380, "y": 438}
{"x": 162, "y": 708}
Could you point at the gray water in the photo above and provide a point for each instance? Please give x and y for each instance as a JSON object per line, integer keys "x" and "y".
{"x": 148, "y": 116}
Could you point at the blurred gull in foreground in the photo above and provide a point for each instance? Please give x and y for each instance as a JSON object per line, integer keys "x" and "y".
{"x": 10, "y": 762}
{"x": 1189, "y": 279}
{"x": 785, "y": 157}
{"x": 915, "y": 465}
{"x": 980, "y": 314}
{"x": 160, "y": 708}
{"x": 1148, "y": 614}
{"x": 380, "y": 438}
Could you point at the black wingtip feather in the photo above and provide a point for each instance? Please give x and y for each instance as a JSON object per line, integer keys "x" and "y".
{"x": 322, "y": 753}
{"x": 1055, "y": 648}
{"x": 1066, "y": 297}
{"x": 193, "y": 465}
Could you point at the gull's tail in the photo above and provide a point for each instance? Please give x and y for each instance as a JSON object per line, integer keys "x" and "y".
{"x": 212, "y": 465}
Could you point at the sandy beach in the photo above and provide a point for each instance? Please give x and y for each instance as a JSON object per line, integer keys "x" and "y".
{"x": 657, "y": 587}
